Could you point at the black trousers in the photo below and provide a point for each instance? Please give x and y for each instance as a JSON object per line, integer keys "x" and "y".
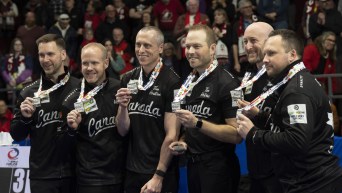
{"x": 334, "y": 187}
{"x": 265, "y": 185}
{"x": 135, "y": 181}
{"x": 115, "y": 188}
{"x": 64, "y": 185}
{"x": 213, "y": 172}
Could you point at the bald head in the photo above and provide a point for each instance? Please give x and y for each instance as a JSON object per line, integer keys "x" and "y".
{"x": 254, "y": 38}
{"x": 261, "y": 28}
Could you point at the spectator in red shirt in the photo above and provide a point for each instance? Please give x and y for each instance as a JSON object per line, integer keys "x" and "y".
{"x": 320, "y": 57}
{"x": 5, "y": 117}
{"x": 123, "y": 49}
{"x": 166, "y": 13}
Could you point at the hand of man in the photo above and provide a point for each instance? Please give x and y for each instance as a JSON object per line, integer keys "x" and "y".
{"x": 27, "y": 108}
{"x": 178, "y": 147}
{"x": 245, "y": 125}
{"x": 186, "y": 118}
{"x": 154, "y": 185}
{"x": 74, "y": 119}
{"x": 123, "y": 96}
{"x": 252, "y": 112}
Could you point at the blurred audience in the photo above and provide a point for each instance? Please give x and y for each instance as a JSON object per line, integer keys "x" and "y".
{"x": 16, "y": 68}
{"x": 320, "y": 57}
{"x": 5, "y": 117}
{"x": 8, "y": 16}
{"x": 116, "y": 63}
{"x": 224, "y": 35}
{"x": 166, "y": 13}
{"x": 122, "y": 48}
{"x": 106, "y": 27}
{"x": 63, "y": 28}
{"x": 169, "y": 56}
{"x": 239, "y": 60}
{"x": 274, "y": 12}
{"x": 29, "y": 33}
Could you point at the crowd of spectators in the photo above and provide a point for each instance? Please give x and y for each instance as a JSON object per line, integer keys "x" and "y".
{"x": 117, "y": 21}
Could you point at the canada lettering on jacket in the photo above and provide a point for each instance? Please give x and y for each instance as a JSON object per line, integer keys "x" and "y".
{"x": 144, "y": 108}
{"x": 95, "y": 127}
{"x": 199, "y": 109}
{"x": 47, "y": 118}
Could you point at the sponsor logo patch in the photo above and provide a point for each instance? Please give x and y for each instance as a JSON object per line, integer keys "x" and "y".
{"x": 297, "y": 113}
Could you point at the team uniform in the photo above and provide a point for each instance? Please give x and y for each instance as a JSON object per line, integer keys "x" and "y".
{"x": 146, "y": 133}
{"x": 52, "y": 150}
{"x": 100, "y": 149}
{"x": 259, "y": 159}
{"x": 301, "y": 136}
{"x": 212, "y": 165}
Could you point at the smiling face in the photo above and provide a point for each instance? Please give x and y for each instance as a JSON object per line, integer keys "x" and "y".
{"x": 197, "y": 51}
{"x": 147, "y": 48}
{"x": 254, "y": 38}
{"x": 51, "y": 58}
{"x": 329, "y": 43}
{"x": 94, "y": 64}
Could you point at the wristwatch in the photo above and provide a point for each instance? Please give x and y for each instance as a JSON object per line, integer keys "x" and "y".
{"x": 199, "y": 124}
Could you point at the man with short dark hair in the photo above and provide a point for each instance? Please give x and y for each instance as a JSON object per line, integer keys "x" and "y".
{"x": 38, "y": 114}
{"x": 301, "y": 135}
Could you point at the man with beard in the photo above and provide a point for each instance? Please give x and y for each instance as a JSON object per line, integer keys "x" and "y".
{"x": 38, "y": 114}
{"x": 301, "y": 136}
{"x": 206, "y": 106}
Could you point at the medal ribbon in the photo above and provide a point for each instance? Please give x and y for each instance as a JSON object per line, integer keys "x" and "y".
{"x": 153, "y": 76}
{"x": 91, "y": 93}
{"x": 294, "y": 70}
{"x": 54, "y": 87}
{"x": 245, "y": 82}
{"x": 185, "y": 88}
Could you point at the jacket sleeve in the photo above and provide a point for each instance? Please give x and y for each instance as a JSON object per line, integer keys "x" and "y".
{"x": 20, "y": 126}
{"x": 293, "y": 134}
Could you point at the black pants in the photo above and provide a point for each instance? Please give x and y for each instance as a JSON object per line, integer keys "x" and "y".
{"x": 265, "y": 185}
{"x": 334, "y": 187}
{"x": 64, "y": 185}
{"x": 135, "y": 181}
{"x": 213, "y": 172}
{"x": 116, "y": 188}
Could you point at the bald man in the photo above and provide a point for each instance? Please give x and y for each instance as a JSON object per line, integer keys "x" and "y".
{"x": 258, "y": 160}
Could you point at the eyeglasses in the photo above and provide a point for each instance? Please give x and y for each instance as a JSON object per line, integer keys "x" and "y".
{"x": 246, "y": 7}
{"x": 331, "y": 40}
